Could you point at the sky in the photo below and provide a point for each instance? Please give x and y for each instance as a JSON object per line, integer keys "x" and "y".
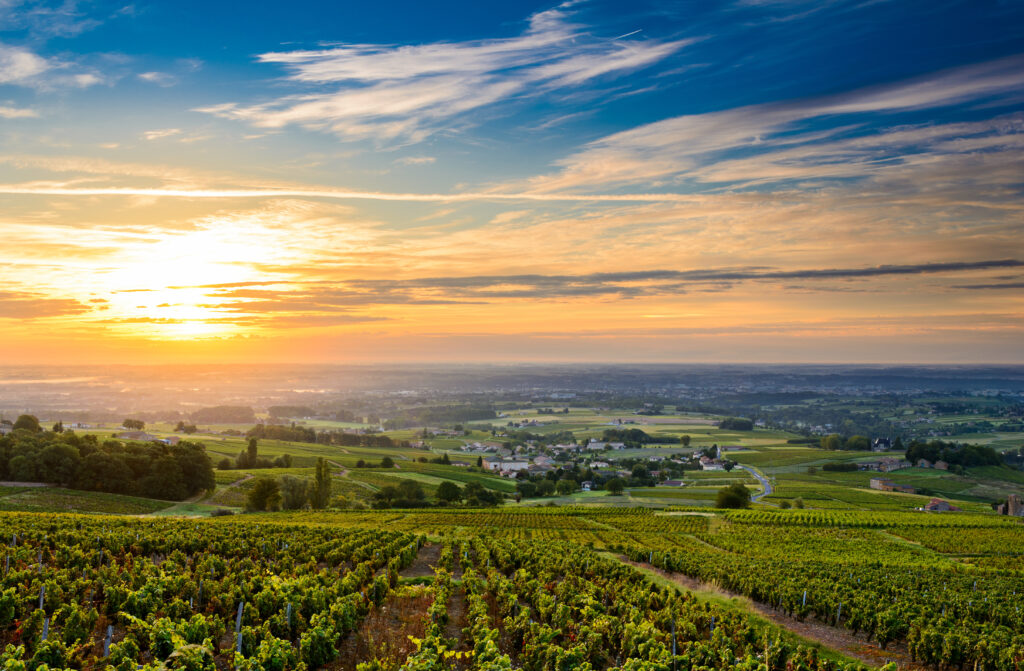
{"x": 747, "y": 181}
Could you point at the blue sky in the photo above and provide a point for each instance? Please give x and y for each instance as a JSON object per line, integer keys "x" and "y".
{"x": 555, "y": 139}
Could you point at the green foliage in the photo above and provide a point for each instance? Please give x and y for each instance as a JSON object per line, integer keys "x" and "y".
{"x": 733, "y": 496}
{"x": 265, "y": 495}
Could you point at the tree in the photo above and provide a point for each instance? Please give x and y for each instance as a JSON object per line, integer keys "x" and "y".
{"x": 28, "y": 422}
{"x": 387, "y": 462}
{"x": 251, "y": 452}
{"x": 527, "y": 489}
{"x": 545, "y": 487}
{"x": 798, "y": 503}
{"x": 265, "y": 495}
{"x": 832, "y": 442}
{"x": 565, "y": 486}
{"x": 58, "y": 427}
{"x": 58, "y": 463}
{"x": 857, "y": 443}
{"x": 165, "y": 480}
{"x": 733, "y": 496}
{"x": 615, "y": 486}
{"x": 411, "y": 492}
{"x": 480, "y": 462}
{"x": 321, "y": 492}
{"x": 685, "y": 440}
{"x": 449, "y": 492}
{"x": 134, "y": 424}
{"x": 224, "y": 464}
{"x": 294, "y": 492}
{"x": 189, "y": 429}
{"x": 477, "y": 495}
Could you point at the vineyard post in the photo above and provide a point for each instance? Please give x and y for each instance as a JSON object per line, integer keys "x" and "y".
{"x": 288, "y": 616}
{"x": 673, "y": 644}
{"x": 46, "y": 627}
{"x": 106, "y": 642}
{"x": 238, "y": 627}
{"x": 839, "y": 613}
{"x": 42, "y": 594}
{"x": 805, "y": 599}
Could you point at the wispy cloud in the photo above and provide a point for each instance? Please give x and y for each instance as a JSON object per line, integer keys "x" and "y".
{"x": 27, "y": 305}
{"x": 801, "y": 139}
{"x": 21, "y": 66}
{"x": 161, "y": 133}
{"x": 278, "y": 295}
{"x": 17, "y": 113}
{"x": 407, "y": 92}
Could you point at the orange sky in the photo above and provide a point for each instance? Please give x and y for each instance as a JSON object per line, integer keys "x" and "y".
{"x": 577, "y": 183}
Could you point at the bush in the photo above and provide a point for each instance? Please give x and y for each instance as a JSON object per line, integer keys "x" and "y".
{"x": 733, "y": 496}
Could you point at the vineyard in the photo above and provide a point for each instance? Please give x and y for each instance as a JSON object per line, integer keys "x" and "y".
{"x": 537, "y": 589}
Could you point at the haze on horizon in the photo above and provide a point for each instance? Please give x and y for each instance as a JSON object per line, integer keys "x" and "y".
{"x": 758, "y": 181}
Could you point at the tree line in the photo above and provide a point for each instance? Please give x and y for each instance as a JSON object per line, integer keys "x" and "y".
{"x": 155, "y": 470}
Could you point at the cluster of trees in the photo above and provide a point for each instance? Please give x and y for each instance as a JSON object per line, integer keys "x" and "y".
{"x": 633, "y": 437}
{"x": 170, "y": 472}
{"x": 733, "y": 496}
{"x": 840, "y": 466}
{"x": 955, "y": 454}
{"x": 736, "y": 424}
{"x": 301, "y": 434}
{"x": 552, "y": 411}
{"x": 249, "y": 458}
{"x": 182, "y": 427}
{"x": 835, "y": 441}
{"x": 290, "y": 492}
{"x": 410, "y": 494}
{"x": 133, "y": 424}
{"x": 386, "y": 462}
{"x": 573, "y": 474}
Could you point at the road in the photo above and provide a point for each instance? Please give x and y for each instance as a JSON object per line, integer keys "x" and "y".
{"x": 765, "y": 484}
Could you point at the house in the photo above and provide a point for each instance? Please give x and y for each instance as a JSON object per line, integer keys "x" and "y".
{"x": 881, "y": 445}
{"x": 1013, "y": 506}
{"x": 708, "y": 464}
{"x": 599, "y": 464}
{"x": 586, "y": 485}
{"x": 939, "y": 506}
{"x": 595, "y": 444}
{"x": 543, "y": 461}
{"x": 889, "y": 464}
{"x": 885, "y": 485}
{"x": 924, "y": 463}
{"x": 942, "y": 465}
{"x": 503, "y": 466}
{"x": 171, "y": 440}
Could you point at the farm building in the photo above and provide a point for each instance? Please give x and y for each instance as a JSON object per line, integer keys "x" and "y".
{"x": 940, "y": 506}
{"x": 884, "y": 485}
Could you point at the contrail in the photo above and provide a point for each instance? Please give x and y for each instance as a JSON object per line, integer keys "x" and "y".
{"x": 337, "y": 194}
{"x": 627, "y": 34}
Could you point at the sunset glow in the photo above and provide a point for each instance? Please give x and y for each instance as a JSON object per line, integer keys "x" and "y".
{"x": 584, "y": 181}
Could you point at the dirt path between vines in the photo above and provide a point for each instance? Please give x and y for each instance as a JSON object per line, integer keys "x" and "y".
{"x": 838, "y": 639}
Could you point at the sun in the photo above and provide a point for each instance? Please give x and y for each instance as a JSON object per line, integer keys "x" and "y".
{"x": 168, "y": 288}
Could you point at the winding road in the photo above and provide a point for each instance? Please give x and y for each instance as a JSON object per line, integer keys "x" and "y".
{"x": 766, "y": 486}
